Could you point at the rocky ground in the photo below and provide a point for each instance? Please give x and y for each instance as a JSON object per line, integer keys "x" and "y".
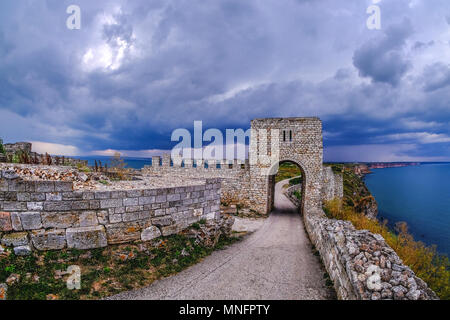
{"x": 85, "y": 179}
{"x": 110, "y": 270}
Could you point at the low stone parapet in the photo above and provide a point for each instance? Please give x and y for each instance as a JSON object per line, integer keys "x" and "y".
{"x": 361, "y": 264}
{"x": 50, "y": 215}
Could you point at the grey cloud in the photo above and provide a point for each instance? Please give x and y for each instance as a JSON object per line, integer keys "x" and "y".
{"x": 436, "y": 76}
{"x": 382, "y": 60}
{"x": 221, "y": 62}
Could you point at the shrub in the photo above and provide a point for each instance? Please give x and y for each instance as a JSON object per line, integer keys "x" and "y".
{"x": 427, "y": 264}
{"x": 118, "y": 166}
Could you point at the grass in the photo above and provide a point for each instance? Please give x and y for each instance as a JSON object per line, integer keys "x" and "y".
{"x": 287, "y": 170}
{"x": 104, "y": 271}
{"x": 427, "y": 264}
{"x": 295, "y": 181}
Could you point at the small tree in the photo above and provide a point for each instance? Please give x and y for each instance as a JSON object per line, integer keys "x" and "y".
{"x": 118, "y": 166}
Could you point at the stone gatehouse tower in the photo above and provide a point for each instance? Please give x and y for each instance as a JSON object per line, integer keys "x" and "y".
{"x": 251, "y": 184}
{"x": 300, "y": 142}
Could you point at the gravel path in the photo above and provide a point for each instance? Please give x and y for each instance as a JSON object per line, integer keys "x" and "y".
{"x": 275, "y": 262}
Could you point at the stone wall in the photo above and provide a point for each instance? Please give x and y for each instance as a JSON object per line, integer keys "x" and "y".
{"x": 234, "y": 176}
{"x": 361, "y": 264}
{"x": 289, "y": 192}
{"x": 332, "y": 184}
{"x": 48, "y": 215}
{"x": 251, "y": 184}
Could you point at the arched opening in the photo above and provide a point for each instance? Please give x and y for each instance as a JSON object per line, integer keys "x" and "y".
{"x": 287, "y": 188}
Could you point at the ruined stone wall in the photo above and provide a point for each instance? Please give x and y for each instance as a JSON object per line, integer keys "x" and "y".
{"x": 333, "y": 184}
{"x": 235, "y": 177}
{"x": 48, "y": 215}
{"x": 361, "y": 264}
{"x": 12, "y": 149}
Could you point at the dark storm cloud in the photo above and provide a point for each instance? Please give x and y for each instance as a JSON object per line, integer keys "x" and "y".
{"x": 383, "y": 60}
{"x": 137, "y": 70}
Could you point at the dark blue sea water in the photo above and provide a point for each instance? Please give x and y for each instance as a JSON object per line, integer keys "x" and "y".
{"x": 135, "y": 163}
{"x": 418, "y": 195}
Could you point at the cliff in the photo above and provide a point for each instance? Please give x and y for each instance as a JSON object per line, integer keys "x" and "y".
{"x": 355, "y": 193}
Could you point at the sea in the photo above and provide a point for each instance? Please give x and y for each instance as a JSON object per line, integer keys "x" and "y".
{"x": 418, "y": 195}
{"x": 133, "y": 163}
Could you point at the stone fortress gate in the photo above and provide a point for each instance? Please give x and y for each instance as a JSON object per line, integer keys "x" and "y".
{"x": 53, "y": 215}
{"x": 251, "y": 183}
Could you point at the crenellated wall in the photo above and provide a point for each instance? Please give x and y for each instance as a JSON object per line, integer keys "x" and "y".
{"x": 235, "y": 177}
{"x": 50, "y": 215}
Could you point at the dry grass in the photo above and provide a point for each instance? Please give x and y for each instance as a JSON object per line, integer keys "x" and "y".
{"x": 428, "y": 265}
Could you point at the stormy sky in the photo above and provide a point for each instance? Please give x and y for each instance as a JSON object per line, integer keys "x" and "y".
{"x": 137, "y": 70}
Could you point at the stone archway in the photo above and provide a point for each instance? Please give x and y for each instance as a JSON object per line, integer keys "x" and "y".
{"x": 271, "y": 182}
{"x": 300, "y": 142}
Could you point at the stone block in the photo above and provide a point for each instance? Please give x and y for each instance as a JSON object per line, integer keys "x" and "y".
{"x": 35, "y": 206}
{"x": 19, "y": 196}
{"x": 86, "y": 237}
{"x": 17, "y": 186}
{"x": 94, "y": 204}
{"x": 169, "y": 230}
{"x": 173, "y": 197}
{"x": 70, "y": 196}
{"x": 60, "y": 220}
{"x": 115, "y": 218}
{"x": 5, "y": 221}
{"x": 22, "y": 251}
{"x": 15, "y": 221}
{"x": 63, "y": 186}
{"x": 130, "y": 216}
{"x": 134, "y": 193}
{"x": 4, "y": 185}
{"x": 15, "y": 239}
{"x": 14, "y": 206}
{"x": 30, "y": 220}
{"x": 37, "y": 196}
{"x": 110, "y": 203}
{"x": 49, "y": 239}
{"x": 58, "y": 206}
{"x": 53, "y": 196}
{"x": 163, "y": 221}
{"x": 88, "y": 219}
{"x": 130, "y": 202}
{"x": 45, "y": 186}
{"x": 150, "y": 233}
{"x": 126, "y": 231}
{"x": 102, "y": 195}
{"x": 80, "y": 205}
{"x": 102, "y": 216}
{"x": 146, "y": 200}
{"x": 118, "y": 194}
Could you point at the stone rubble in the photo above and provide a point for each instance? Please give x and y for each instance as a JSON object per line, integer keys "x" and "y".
{"x": 361, "y": 264}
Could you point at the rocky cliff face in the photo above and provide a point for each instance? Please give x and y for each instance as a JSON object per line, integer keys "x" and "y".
{"x": 368, "y": 206}
{"x": 356, "y": 194}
